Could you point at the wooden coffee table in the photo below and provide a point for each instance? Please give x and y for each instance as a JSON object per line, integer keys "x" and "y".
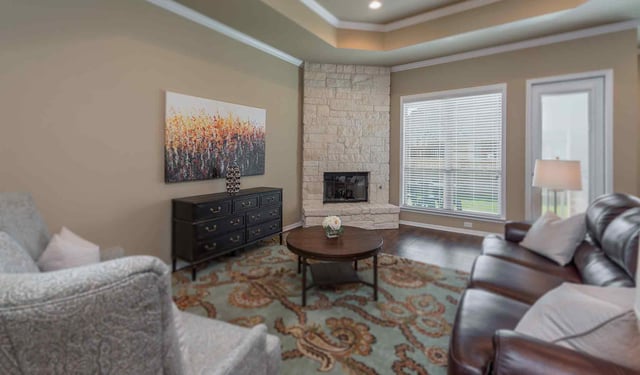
{"x": 354, "y": 244}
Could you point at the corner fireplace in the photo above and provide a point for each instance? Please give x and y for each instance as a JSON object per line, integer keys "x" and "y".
{"x": 341, "y": 187}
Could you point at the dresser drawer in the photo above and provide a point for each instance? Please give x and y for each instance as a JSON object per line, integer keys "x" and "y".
{"x": 261, "y": 215}
{"x": 269, "y": 199}
{"x": 219, "y": 244}
{"x": 245, "y": 203}
{"x": 206, "y": 211}
{"x": 263, "y": 230}
{"x": 218, "y": 226}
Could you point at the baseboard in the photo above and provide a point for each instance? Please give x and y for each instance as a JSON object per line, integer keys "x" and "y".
{"x": 289, "y": 227}
{"x": 471, "y": 232}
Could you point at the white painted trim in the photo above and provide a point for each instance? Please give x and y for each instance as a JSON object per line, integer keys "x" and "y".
{"x": 537, "y": 42}
{"x": 405, "y": 22}
{"x": 289, "y": 227}
{"x": 447, "y": 229}
{"x": 322, "y": 12}
{"x": 201, "y": 19}
{"x": 608, "y": 128}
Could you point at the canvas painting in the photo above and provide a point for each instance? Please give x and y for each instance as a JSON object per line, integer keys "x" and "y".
{"x": 204, "y": 137}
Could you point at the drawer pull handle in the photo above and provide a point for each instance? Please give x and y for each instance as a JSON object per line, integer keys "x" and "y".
{"x": 211, "y": 246}
{"x": 274, "y": 213}
{"x": 257, "y": 231}
{"x": 235, "y": 222}
{"x": 246, "y": 204}
{"x": 216, "y": 210}
{"x": 273, "y": 227}
{"x": 211, "y": 229}
{"x": 270, "y": 199}
{"x": 236, "y": 239}
{"x": 253, "y": 217}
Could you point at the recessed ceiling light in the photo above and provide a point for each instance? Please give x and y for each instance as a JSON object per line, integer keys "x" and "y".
{"x": 375, "y": 4}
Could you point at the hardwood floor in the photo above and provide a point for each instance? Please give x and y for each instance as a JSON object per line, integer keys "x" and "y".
{"x": 444, "y": 249}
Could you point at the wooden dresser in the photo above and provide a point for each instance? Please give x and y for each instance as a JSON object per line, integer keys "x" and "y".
{"x": 207, "y": 226}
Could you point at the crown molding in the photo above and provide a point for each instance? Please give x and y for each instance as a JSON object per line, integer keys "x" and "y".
{"x": 201, "y": 19}
{"x": 405, "y": 22}
{"x": 537, "y": 42}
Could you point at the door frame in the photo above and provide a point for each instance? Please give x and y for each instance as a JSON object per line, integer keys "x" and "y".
{"x": 607, "y": 75}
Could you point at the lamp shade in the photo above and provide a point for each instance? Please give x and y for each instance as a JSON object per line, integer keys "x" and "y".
{"x": 557, "y": 174}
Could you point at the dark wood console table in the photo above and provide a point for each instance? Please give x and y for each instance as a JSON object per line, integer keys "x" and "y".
{"x": 208, "y": 226}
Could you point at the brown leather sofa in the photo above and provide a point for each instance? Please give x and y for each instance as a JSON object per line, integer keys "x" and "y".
{"x": 507, "y": 279}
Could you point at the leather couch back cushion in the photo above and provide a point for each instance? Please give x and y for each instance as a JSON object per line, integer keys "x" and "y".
{"x": 603, "y": 210}
{"x": 620, "y": 240}
{"x": 596, "y": 268}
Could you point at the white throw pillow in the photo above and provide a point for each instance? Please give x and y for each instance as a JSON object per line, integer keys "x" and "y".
{"x": 556, "y": 238}
{"x": 66, "y": 250}
{"x": 595, "y": 320}
{"x": 68, "y": 235}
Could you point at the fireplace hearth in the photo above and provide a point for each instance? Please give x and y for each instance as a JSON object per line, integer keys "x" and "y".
{"x": 341, "y": 187}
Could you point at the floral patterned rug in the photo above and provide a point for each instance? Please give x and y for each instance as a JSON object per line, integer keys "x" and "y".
{"x": 341, "y": 330}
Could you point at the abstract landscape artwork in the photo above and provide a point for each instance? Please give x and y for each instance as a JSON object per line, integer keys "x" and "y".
{"x": 204, "y": 137}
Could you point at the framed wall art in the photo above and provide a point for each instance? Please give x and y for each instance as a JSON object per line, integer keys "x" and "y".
{"x": 204, "y": 138}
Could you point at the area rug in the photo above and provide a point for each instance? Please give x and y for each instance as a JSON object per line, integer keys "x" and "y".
{"x": 341, "y": 330}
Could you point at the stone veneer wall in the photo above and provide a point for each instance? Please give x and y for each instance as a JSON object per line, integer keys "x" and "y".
{"x": 346, "y": 129}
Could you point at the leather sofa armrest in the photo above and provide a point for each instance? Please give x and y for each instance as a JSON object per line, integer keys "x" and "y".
{"x": 515, "y": 353}
{"x": 514, "y": 231}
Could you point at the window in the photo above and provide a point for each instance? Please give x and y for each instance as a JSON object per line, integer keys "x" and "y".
{"x": 452, "y": 152}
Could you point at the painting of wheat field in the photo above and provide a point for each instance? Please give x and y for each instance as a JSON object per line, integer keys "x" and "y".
{"x": 204, "y": 137}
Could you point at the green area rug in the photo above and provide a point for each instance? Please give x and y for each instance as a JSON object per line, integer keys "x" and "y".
{"x": 341, "y": 330}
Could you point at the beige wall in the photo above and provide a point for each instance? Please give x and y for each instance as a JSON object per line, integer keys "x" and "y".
{"x": 615, "y": 51}
{"x": 82, "y": 100}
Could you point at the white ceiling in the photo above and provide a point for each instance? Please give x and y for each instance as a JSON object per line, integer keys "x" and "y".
{"x": 391, "y": 10}
{"x": 293, "y": 29}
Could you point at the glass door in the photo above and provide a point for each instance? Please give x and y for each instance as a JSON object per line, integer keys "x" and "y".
{"x": 567, "y": 122}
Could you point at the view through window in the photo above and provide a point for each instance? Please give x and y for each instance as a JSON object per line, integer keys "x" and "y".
{"x": 452, "y": 159}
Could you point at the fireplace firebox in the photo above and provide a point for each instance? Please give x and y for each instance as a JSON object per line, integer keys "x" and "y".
{"x": 341, "y": 187}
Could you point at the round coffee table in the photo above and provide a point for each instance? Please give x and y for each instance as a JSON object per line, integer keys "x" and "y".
{"x": 354, "y": 244}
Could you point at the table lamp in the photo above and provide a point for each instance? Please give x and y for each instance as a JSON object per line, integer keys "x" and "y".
{"x": 557, "y": 175}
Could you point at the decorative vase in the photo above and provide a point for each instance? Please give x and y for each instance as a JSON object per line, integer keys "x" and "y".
{"x": 333, "y": 233}
{"x": 233, "y": 179}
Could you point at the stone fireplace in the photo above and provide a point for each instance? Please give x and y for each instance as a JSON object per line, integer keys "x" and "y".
{"x": 346, "y": 145}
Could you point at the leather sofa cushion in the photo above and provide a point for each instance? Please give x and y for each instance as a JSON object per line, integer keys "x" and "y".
{"x": 620, "y": 240}
{"x": 596, "y": 268}
{"x": 480, "y": 314}
{"x": 605, "y": 209}
{"x": 499, "y": 248}
{"x": 513, "y": 280}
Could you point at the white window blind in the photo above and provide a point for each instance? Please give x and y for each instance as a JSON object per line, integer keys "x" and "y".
{"x": 452, "y": 152}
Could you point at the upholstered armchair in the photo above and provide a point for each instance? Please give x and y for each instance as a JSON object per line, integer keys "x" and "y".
{"x": 113, "y": 317}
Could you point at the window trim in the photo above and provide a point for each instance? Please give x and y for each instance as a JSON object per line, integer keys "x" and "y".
{"x": 496, "y": 88}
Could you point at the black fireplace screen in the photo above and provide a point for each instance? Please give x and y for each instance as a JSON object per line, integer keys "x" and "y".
{"x": 340, "y": 187}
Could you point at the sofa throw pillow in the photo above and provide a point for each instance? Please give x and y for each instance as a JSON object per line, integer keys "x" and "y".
{"x": 66, "y": 250}
{"x": 13, "y": 257}
{"x": 599, "y": 321}
{"x": 556, "y": 238}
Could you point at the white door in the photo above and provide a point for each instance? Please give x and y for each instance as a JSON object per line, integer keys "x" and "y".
{"x": 567, "y": 120}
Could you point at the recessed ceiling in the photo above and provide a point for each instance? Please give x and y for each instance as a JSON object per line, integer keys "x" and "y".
{"x": 294, "y": 28}
{"x": 391, "y": 10}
